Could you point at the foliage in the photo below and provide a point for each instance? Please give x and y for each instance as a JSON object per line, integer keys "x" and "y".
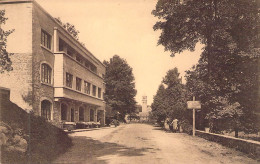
{"x": 205, "y": 21}
{"x": 45, "y": 141}
{"x": 186, "y": 126}
{"x": 5, "y": 61}
{"x": 70, "y": 28}
{"x": 159, "y": 110}
{"x": 120, "y": 86}
{"x": 227, "y": 69}
{"x": 175, "y": 95}
{"x": 170, "y": 102}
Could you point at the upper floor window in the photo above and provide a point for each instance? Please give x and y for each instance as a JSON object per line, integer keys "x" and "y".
{"x": 46, "y": 39}
{"x": 46, "y": 73}
{"x": 79, "y": 59}
{"x": 70, "y": 51}
{"x": 78, "y": 84}
{"x": 99, "y": 92}
{"x": 69, "y": 79}
{"x": 87, "y": 64}
{"x": 87, "y": 87}
{"x": 93, "y": 68}
{"x": 94, "y": 90}
{"x": 61, "y": 45}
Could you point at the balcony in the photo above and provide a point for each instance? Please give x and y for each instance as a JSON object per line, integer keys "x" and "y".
{"x": 65, "y": 64}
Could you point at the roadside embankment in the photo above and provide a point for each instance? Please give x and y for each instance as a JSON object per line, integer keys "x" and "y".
{"x": 26, "y": 138}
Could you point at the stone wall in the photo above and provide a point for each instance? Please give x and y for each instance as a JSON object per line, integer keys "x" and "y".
{"x": 19, "y": 81}
{"x": 246, "y": 146}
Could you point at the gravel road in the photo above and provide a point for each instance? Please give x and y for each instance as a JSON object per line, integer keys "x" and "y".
{"x": 141, "y": 144}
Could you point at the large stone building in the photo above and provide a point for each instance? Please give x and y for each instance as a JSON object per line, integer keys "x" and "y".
{"x": 146, "y": 109}
{"x": 53, "y": 75}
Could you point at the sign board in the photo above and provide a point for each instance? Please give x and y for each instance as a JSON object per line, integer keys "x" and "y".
{"x": 194, "y": 104}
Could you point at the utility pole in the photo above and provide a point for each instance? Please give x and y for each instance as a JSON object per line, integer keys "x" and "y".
{"x": 193, "y": 129}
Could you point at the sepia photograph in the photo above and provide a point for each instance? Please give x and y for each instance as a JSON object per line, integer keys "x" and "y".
{"x": 130, "y": 81}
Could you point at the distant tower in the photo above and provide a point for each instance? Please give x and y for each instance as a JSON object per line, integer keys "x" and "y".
{"x": 144, "y": 104}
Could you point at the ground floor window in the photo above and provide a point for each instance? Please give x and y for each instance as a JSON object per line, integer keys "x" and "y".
{"x": 46, "y": 109}
{"x": 72, "y": 115}
{"x": 63, "y": 112}
{"x": 92, "y": 114}
{"x": 81, "y": 114}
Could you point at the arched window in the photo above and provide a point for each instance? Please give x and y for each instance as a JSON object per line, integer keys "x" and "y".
{"x": 81, "y": 114}
{"x": 46, "y": 109}
{"x": 64, "y": 112}
{"x": 46, "y": 73}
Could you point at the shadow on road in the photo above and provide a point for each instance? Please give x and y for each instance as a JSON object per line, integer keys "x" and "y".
{"x": 158, "y": 128}
{"x": 87, "y": 150}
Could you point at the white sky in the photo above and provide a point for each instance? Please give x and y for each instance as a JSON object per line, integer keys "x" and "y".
{"x": 125, "y": 28}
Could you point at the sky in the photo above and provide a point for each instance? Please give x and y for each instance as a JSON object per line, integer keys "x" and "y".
{"x": 124, "y": 28}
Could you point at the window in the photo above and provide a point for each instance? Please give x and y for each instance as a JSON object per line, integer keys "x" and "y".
{"x": 72, "y": 115}
{"x": 69, "y": 79}
{"x": 46, "y": 39}
{"x": 81, "y": 114}
{"x": 79, "y": 59}
{"x": 87, "y": 64}
{"x": 46, "y": 73}
{"x": 94, "y": 90}
{"x": 61, "y": 45}
{"x": 86, "y": 87}
{"x": 92, "y": 114}
{"x": 70, "y": 51}
{"x": 93, "y": 68}
{"x": 46, "y": 109}
{"x": 78, "y": 84}
{"x": 99, "y": 92}
{"x": 63, "y": 112}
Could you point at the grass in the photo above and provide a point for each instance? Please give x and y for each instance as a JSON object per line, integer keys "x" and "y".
{"x": 45, "y": 141}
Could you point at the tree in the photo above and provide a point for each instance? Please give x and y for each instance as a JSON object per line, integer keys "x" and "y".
{"x": 170, "y": 102}
{"x": 5, "y": 61}
{"x": 120, "y": 86}
{"x": 175, "y": 95}
{"x": 227, "y": 67}
{"x": 185, "y": 24}
{"x": 70, "y": 28}
{"x": 159, "y": 110}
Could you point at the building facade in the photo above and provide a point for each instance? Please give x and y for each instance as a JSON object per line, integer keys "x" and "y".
{"x": 146, "y": 110}
{"x": 53, "y": 75}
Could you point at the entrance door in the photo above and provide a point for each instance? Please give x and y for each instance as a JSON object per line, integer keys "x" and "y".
{"x": 72, "y": 115}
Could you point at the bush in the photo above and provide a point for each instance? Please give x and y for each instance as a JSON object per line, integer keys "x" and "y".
{"x": 186, "y": 126}
{"x": 115, "y": 122}
{"x": 45, "y": 141}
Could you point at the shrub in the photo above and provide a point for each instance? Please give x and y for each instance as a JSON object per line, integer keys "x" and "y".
{"x": 186, "y": 126}
{"x": 115, "y": 122}
{"x": 45, "y": 141}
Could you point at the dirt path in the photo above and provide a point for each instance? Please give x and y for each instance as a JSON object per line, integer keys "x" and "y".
{"x": 140, "y": 143}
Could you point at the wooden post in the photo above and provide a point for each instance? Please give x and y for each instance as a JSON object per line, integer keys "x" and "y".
{"x": 193, "y": 130}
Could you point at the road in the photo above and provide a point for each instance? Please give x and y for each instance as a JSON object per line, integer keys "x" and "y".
{"x": 141, "y": 144}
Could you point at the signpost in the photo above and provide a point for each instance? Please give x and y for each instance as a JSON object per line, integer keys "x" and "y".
{"x": 193, "y": 105}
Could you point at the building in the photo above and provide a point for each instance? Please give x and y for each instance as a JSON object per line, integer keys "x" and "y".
{"x": 144, "y": 104}
{"x": 146, "y": 109}
{"x": 53, "y": 75}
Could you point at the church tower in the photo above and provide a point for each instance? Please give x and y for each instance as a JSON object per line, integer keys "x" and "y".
{"x": 144, "y": 104}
